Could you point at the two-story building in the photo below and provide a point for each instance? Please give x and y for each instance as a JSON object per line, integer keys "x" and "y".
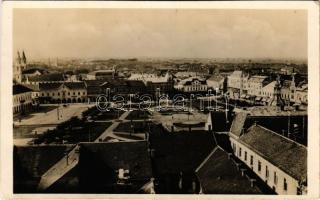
{"x": 67, "y": 92}
{"x": 217, "y": 83}
{"x": 192, "y": 84}
{"x": 22, "y": 99}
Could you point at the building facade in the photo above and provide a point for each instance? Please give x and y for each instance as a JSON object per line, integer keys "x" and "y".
{"x": 22, "y": 99}
{"x": 192, "y": 84}
{"x": 67, "y": 92}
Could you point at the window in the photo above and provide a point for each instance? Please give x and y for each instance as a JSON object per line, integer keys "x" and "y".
{"x": 245, "y": 156}
{"x": 42, "y": 94}
{"x": 48, "y": 94}
{"x": 267, "y": 172}
{"x": 74, "y": 93}
{"x": 251, "y": 160}
{"x": 285, "y": 185}
{"x": 52, "y": 93}
{"x": 240, "y": 152}
{"x": 58, "y": 93}
{"x": 275, "y": 178}
{"x": 84, "y": 93}
{"x": 259, "y": 166}
{"x": 68, "y": 93}
{"x": 78, "y": 93}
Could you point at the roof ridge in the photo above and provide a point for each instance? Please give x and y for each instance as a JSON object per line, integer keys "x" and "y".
{"x": 207, "y": 158}
{"x": 277, "y": 134}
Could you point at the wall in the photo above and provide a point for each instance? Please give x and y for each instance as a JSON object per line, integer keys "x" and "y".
{"x": 292, "y": 184}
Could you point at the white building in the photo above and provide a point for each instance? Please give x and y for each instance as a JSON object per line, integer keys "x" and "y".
{"x": 67, "y": 92}
{"x": 22, "y": 99}
{"x": 255, "y": 85}
{"x": 277, "y": 160}
{"x": 237, "y": 84}
{"x": 216, "y": 82}
{"x": 192, "y": 84}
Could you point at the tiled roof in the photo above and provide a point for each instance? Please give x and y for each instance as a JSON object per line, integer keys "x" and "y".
{"x": 49, "y": 86}
{"x": 284, "y": 153}
{"x": 238, "y": 123}
{"x": 183, "y": 152}
{"x": 47, "y": 77}
{"x": 54, "y": 86}
{"x": 218, "y": 174}
{"x": 133, "y": 83}
{"x": 133, "y": 156}
{"x": 18, "y": 89}
{"x": 219, "y": 121}
{"x": 75, "y": 85}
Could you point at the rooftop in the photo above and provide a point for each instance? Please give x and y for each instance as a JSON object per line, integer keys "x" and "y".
{"x": 47, "y": 77}
{"x": 284, "y": 153}
{"x": 218, "y": 174}
{"x": 19, "y": 89}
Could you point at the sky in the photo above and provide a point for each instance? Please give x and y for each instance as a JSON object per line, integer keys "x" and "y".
{"x": 168, "y": 33}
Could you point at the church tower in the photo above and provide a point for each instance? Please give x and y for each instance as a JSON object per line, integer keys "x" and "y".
{"x": 19, "y": 66}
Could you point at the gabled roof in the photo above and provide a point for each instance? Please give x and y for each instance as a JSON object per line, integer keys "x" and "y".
{"x": 284, "y": 153}
{"x": 19, "y": 89}
{"x": 238, "y": 123}
{"x": 183, "y": 152}
{"x": 218, "y": 174}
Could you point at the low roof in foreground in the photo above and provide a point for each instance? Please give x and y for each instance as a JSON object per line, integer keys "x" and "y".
{"x": 218, "y": 174}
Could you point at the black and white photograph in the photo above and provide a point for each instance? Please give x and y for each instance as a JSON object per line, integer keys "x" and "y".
{"x": 160, "y": 101}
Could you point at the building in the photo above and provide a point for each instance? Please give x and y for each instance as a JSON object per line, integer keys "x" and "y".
{"x": 277, "y": 160}
{"x": 94, "y": 89}
{"x": 218, "y": 121}
{"x": 66, "y": 92}
{"x": 114, "y": 167}
{"x": 217, "y": 82}
{"x": 155, "y": 83}
{"x": 255, "y": 85}
{"x": 22, "y": 99}
{"x": 192, "y": 84}
{"x": 221, "y": 173}
{"x": 20, "y": 65}
{"x": 102, "y": 74}
{"x": 301, "y": 94}
{"x": 237, "y": 84}
{"x": 46, "y": 78}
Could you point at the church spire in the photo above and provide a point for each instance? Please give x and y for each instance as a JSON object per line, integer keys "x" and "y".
{"x": 18, "y": 57}
{"x": 24, "y": 58}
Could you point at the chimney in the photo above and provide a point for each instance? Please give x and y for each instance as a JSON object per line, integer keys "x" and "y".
{"x": 252, "y": 182}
